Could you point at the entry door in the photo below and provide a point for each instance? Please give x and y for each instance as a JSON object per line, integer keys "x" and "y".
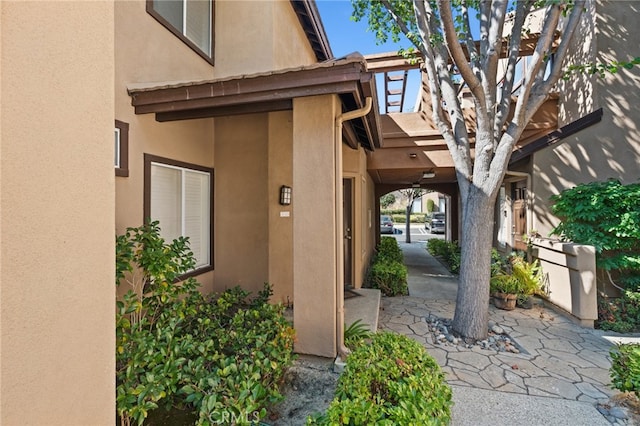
{"x": 519, "y": 217}
{"x": 347, "y": 215}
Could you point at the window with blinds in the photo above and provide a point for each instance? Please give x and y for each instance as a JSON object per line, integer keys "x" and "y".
{"x": 180, "y": 199}
{"x": 190, "y": 20}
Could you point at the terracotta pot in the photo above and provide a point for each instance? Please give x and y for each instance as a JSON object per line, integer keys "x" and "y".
{"x": 505, "y": 301}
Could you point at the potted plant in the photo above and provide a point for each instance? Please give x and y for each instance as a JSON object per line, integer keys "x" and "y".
{"x": 514, "y": 282}
{"x": 505, "y": 289}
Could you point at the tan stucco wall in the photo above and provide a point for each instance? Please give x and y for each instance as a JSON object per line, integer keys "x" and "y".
{"x": 250, "y": 37}
{"x": 242, "y": 202}
{"x": 57, "y": 214}
{"x": 263, "y": 36}
{"x": 316, "y": 271}
{"x": 280, "y": 217}
{"x": 611, "y": 148}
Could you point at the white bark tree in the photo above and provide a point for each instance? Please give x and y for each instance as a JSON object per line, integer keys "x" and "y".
{"x": 441, "y": 31}
{"x": 410, "y": 195}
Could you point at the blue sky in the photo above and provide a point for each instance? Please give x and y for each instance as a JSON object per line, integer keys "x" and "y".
{"x": 347, "y": 36}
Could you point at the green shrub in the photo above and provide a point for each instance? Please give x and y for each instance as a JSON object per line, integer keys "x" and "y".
{"x": 625, "y": 368}
{"x": 390, "y": 277}
{"x": 606, "y": 215}
{"x": 391, "y": 381}
{"x": 515, "y": 275}
{"x": 389, "y": 250}
{"x": 221, "y": 357}
{"x": 448, "y": 251}
{"x": 356, "y": 334}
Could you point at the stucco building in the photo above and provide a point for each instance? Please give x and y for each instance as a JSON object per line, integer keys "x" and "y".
{"x": 210, "y": 127}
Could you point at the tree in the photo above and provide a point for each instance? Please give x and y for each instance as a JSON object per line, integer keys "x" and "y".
{"x": 442, "y": 34}
{"x": 410, "y": 195}
{"x": 387, "y": 200}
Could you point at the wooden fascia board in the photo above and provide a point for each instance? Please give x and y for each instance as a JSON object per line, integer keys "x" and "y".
{"x": 294, "y": 79}
{"x": 247, "y": 98}
{"x": 557, "y": 135}
{"x": 251, "y": 108}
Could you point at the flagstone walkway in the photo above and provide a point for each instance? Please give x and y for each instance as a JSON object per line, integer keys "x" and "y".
{"x": 557, "y": 358}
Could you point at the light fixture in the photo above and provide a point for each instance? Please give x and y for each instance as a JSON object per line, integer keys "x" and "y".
{"x": 413, "y": 155}
{"x": 285, "y": 195}
{"x": 429, "y": 175}
{"x": 416, "y": 185}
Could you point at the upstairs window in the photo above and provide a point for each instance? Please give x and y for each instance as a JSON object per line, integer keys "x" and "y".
{"x": 190, "y": 20}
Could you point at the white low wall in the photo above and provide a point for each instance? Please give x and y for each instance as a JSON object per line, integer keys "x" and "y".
{"x": 570, "y": 270}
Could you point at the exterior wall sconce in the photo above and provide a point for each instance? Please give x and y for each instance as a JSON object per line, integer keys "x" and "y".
{"x": 429, "y": 175}
{"x": 285, "y": 195}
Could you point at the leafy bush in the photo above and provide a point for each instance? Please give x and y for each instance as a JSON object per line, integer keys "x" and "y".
{"x": 448, "y": 251}
{"x": 390, "y": 277}
{"x": 221, "y": 357}
{"x": 387, "y": 271}
{"x": 606, "y": 215}
{"x": 516, "y": 276}
{"x": 389, "y": 250}
{"x": 390, "y": 381}
{"x": 625, "y": 368}
{"x": 356, "y": 334}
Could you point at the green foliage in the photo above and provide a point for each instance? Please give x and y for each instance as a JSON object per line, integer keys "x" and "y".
{"x": 431, "y": 205}
{"x": 386, "y": 200}
{"x": 601, "y": 69}
{"x": 391, "y": 381}
{"x": 387, "y": 271}
{"x": 514, "y": 275}
{"x": 448, "y": 251}
{"x": 622, "y": 314}
{"x": 606, "y": 215}
{"x": 390, "y": 277}
{"x": 389, "y": 250}
{"x": 356, "y": 334}
{"x": 625, "y": 368}
{"x": 222, "y": 356}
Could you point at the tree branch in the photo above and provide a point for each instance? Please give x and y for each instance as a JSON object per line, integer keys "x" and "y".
{"x": 456, "y": 52}
{"x": 543, "y": 46}
{"x": 522, "y": 10}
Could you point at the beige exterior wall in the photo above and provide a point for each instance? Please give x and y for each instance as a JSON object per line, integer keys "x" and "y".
{"x": 611, "y": 148}
{"x": 252, "y": 244}
{"x": 57, "y": 312}
{"x": 260, "y": 36}
{"x": 316, "y": 267}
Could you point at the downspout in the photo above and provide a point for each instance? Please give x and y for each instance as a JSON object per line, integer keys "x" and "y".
{"x": 349, "y": 115}
{"x": 528, "y": 199}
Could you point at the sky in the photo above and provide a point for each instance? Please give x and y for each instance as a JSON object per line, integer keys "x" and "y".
{"x": 346, "y": 36}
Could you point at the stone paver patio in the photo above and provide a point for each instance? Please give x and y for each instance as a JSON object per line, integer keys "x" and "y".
{"x": 558, "y": 358}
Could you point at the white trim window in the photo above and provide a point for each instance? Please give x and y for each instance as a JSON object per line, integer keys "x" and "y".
{"x": 180, "y": 199}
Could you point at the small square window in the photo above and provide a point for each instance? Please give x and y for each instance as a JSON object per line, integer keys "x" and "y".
{"x": 121, "y": 148}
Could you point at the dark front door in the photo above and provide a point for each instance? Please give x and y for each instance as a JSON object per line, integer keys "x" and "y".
{"x": 347, "y": 214}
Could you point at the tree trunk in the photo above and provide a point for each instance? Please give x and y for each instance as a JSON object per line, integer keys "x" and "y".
{"x": 471, "y": 315}
{"x": 407, "y": 228}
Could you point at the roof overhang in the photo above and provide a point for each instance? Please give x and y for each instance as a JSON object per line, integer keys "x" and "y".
{"x": 273, "y": 91}
{"x": 309, "y": 18}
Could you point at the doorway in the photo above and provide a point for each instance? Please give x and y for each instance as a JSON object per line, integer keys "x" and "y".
{"x": 347, "y": 223}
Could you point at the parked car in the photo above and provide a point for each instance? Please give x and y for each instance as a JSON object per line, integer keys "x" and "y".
{"x": 435, "y": 223}
{"x": 386, "y": 224}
